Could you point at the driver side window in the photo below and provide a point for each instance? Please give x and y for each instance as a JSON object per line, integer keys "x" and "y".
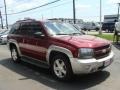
{"x": 36, "y": 30}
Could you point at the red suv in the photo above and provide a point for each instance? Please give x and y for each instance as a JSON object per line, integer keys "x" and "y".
{"x": 58, "y": 46}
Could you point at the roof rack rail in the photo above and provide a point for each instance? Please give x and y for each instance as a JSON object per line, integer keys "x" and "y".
{"x": 26, "y": 19}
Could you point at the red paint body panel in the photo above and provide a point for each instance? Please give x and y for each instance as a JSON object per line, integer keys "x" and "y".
{"x": 85, "y": 41}
{"x": 73, "y": 43}
{"x": 37, "y": 47}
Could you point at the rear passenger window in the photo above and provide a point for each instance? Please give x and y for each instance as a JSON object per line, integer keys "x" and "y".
{"x": 29, "y": 28}
{"x": 25, "y": 29}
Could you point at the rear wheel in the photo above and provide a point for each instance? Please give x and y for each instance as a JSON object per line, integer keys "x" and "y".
{"x": 14, "y": 54}
{"x": 61, "y": 68}
{"x": 85, "y": 29}
{"x": 97, "y": 29}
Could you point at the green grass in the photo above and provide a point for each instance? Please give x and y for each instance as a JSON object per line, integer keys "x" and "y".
{"x": 105, "y": 36}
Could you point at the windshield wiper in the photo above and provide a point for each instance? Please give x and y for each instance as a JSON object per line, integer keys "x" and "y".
{"x": 62, "y": 34}
{"x": 76, "y": 33}
{"x": 69, "y": 34}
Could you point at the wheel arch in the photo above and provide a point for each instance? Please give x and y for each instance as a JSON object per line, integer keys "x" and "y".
{"x": 13, "y": 43}
{"x": 53, "y": 50}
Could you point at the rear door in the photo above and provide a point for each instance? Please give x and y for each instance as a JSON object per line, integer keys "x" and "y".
{"x": 37, "y": 42}
{"x": 24, "y": 36}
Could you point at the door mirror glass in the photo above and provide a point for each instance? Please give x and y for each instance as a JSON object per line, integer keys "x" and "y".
{"x": 38, "y": 34}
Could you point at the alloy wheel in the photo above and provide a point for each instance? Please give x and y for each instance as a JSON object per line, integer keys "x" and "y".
{"x": 14, "y": 54}
{"x": 60, "y": 68}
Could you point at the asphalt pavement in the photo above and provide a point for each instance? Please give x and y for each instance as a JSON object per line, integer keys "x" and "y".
{"x": 24, "y": 76}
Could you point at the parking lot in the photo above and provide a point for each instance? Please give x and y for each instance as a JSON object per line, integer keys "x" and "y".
{"x": 24, "y": 76}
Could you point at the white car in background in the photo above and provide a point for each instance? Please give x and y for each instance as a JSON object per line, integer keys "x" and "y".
{"x": 91, "y": 26}
{"x": 3, "y": 37}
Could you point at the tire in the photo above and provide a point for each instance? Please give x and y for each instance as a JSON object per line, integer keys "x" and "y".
{"x": 61, "y": 68}
{"x": 88, "y": 29}
{"x": 15, "y": 55}
{"x": 85, "y": 29}
{"x": 97, "y": 29}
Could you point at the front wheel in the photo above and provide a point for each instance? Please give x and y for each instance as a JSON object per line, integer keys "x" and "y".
{"x": 61, "y": 68}
{"x": 14, "y": 55}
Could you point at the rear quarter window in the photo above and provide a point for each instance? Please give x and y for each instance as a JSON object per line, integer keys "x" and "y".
{"x": 15, "y": 28}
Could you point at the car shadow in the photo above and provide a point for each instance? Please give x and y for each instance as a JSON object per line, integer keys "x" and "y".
{"x": 117, "y": 45}
{"x": 44, "y": 76}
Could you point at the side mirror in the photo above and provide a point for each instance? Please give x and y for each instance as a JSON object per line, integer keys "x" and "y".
{"x": 38, "y": 34}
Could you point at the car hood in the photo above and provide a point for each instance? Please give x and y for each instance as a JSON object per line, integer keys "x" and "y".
{"x": 84, "y": 41}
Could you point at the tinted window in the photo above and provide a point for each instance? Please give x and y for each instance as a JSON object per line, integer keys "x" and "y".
{"x": 93, "y": 24}
{"x": 30, "y": 28}
{"x": 35, "y": 28}
{"x": 15, "y": 29}
{"x": 110, "y": 17}
{"x": 24, "y": 29}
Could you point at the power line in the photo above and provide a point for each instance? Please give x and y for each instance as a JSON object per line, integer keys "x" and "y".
{"x": 58, "y": 5}
{"x": 33, "y": 8}
{"x": 64, "y": 3}
{"x": 46, "y": 9}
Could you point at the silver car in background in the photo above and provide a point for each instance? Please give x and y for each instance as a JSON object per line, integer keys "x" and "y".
{"x": 3, "y": 37}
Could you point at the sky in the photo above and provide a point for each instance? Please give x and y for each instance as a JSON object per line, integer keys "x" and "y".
{"x": 88, "y": 10}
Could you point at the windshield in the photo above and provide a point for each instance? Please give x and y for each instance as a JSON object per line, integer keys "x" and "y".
{"x": 61, "y": 29}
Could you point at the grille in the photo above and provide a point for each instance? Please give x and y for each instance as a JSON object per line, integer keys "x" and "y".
{"x": 101, "y": 52}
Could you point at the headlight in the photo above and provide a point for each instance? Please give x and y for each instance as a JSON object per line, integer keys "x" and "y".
{"x": 85, "y": 53}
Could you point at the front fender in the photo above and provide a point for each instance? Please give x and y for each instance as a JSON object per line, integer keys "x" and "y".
{"x": 59, "y": 49}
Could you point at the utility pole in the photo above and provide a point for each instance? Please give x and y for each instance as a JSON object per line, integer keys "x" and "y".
{"x": 1, "y": 20}
{"x": 74, "y": 12}
{"x": 100, "y": 31}
{"x": 118, "y": 10}
{"x": 6, "y": 14}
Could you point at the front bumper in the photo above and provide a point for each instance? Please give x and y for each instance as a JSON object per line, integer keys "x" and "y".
{"x": 84, "y": 66}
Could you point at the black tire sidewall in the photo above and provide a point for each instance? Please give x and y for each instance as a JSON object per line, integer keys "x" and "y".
{"x": 18, "y": 57}
{"x": 68, "y": 68}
